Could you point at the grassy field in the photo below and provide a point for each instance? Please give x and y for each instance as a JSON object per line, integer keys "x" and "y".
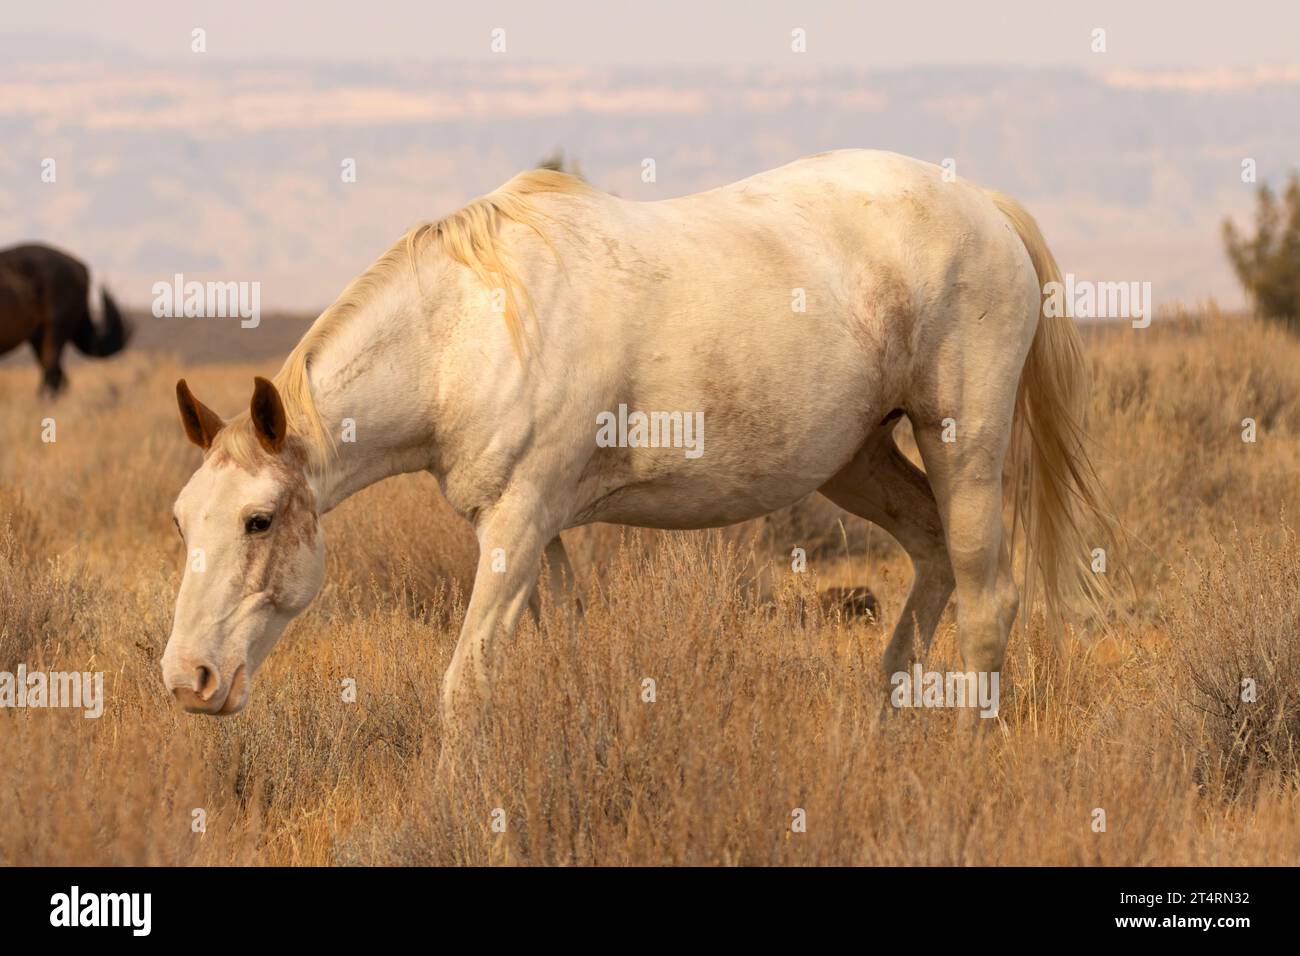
{"x": 759, "y": 710}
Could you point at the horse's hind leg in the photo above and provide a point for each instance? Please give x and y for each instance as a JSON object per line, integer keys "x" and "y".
{"x": 966, "y": 474}
{"x": 49, "y": 353}
{"x": 883, "y": 487}
{"x": 53, "y": 380}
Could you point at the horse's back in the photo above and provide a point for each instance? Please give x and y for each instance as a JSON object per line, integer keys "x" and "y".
{"x": 39, "y": 259}
{"x": 60, "y": 279}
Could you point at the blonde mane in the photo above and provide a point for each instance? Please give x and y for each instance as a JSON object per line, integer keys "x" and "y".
{"x": 471, "y": 236}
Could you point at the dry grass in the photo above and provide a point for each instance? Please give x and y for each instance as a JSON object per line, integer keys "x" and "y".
{"x": 758, "y": 711}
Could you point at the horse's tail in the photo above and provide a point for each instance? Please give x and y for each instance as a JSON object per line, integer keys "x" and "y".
{"x": 107, "y": 338}
{"x": 1055, "y": 490}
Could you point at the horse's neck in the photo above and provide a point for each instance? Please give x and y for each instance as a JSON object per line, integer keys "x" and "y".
{"x": 370, "y": 397}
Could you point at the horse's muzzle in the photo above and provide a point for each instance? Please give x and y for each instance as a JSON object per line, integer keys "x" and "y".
{"x": 200, "y": 689}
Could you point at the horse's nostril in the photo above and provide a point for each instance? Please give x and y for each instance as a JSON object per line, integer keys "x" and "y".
{"x": 207, "y": 683}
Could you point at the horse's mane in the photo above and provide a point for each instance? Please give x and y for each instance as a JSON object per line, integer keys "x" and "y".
{"x": 470, "y": 236}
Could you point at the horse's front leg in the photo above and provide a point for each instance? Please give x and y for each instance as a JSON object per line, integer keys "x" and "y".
{"x": 512, "y": 537}
{"x": 559, "y": 581}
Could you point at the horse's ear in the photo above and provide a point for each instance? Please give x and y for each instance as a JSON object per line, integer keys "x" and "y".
{"x": 267, "y": 412}
{"x": 201, "y": 423}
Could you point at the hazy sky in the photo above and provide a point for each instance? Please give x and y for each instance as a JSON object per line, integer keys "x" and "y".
{"x": 1140, "y": 33}
{"x": 227, "y": 165}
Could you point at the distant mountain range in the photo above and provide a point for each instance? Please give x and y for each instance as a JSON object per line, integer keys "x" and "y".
{"x": 232, "y": 171}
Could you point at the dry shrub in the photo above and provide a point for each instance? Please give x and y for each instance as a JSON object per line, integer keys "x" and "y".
{"x": 1242, "y": 709}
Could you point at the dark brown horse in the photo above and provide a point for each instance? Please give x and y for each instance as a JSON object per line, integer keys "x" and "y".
{"x": 44, "y": 300}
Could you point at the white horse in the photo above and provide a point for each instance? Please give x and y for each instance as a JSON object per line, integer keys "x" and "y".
{"x": 801, "y": 311}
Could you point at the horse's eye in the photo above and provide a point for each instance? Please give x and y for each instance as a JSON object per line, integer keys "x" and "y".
{"x": 257, "y": 524}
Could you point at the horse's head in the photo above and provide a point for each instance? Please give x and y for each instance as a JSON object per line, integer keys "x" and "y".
{"x": 255, "y": 554}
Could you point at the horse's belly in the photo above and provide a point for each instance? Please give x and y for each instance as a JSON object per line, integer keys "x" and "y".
{"x": 725, "y": 483}
{"x": 690, "y": 503}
